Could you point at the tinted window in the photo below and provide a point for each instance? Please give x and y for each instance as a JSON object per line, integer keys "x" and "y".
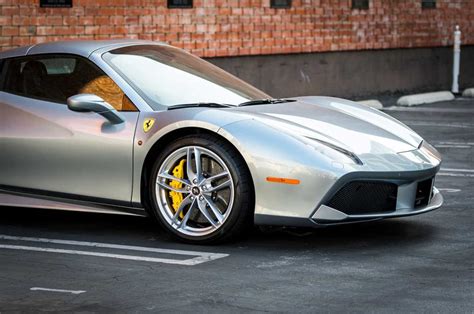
{"x": 55, "y": 78}
{"x": 60, "y": 65}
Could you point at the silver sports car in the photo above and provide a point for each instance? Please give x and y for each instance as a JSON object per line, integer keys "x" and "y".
{"x": 143, "y": 128}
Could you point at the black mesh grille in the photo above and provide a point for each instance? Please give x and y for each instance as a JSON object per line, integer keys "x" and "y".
{"x": 423, "y": 193}
{"x": 362, "y": 197}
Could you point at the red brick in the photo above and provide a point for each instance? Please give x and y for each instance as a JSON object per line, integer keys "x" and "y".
{"x": 90, "y": 30}
{"x": 102, "y": 20}
{"x": 45, "y": 30}
{"x": 54, "y": 20}
{"x": 10, "y": 30}
{"x": 10, "y": 10}
{"x": 20, "y": 41}
{"x": 242, "y": 27}
{"x": 70, "y": 20}
{"x": 17, "y": 20}
{"x": 27, "y": 30}
{"x": 86, "y": 20}
{"x": 5, "y": 41}
{"x": 106, "y": 29}
{"x": 134, "y": 29}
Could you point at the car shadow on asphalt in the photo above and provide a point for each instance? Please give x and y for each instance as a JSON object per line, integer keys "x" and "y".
{"x": 140, "y": 231}
{"x": 388, "y": 233}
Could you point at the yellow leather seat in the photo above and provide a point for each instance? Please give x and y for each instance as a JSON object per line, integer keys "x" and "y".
{"x": 104, "y": 87}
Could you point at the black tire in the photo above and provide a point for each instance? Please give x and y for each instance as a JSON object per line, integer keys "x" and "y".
{"x": 241, "y": 215}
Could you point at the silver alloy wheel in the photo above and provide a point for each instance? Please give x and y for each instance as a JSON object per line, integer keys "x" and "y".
{"x": 207, "y": 189}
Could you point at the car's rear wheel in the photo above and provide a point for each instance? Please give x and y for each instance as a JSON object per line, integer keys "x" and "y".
{"x": 201, "y": 190}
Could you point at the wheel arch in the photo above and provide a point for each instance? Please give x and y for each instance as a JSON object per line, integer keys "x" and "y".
{"x": 168, "y": 138}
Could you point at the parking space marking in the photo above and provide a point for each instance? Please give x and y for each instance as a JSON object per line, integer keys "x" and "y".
{"x": 453, "y": 172}
{"x": 439, "y": 124}
{"x": 451, "y": 146}
{"x": 455, "y": 143}
{"x": 429, "y": 109}
{"x": 448, "y": 190}
{"x": 450, "y": 174}
{"x": 200, "y": 257}
{"x": 457, "y": 170}
{"x": 57, "y": 290}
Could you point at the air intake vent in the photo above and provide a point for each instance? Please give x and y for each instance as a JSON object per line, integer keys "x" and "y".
{"x": 423, "y": 193}
{"x": 364, "y": 197}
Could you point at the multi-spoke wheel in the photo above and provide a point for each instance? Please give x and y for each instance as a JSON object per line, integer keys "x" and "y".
{"x": 201, "y": 189}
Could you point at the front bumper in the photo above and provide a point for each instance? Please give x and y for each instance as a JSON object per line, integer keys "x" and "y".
{"x": 326, "y": 215}
{"x": 406, "y": 202}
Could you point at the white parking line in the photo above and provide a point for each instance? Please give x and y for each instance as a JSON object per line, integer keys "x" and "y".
{"x": 448, "y": 190}
{"x": 200, "y": 257}
{"x": 438, "y": 124}
{"x": 456, "y": 143}
{"x": 57, "y": 290}
{"x": 457, "y": 170}
{"x": 429, "y": 109}
{"x": 448, "y": 174}
{"x": 451, "y": 146}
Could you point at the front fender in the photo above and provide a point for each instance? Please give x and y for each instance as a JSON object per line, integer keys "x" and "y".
{"x": 269, "y": 152}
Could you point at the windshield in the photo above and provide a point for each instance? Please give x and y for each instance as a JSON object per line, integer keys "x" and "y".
{"x": 167, "y": 76}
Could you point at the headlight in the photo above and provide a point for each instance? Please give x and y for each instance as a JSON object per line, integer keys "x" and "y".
{"x": 430, "y": 152}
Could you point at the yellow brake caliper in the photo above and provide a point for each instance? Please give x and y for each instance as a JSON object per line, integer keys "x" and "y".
{"x": 177, "y": 197}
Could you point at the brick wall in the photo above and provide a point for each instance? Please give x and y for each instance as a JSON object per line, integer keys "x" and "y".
{"x": 242, "y": 27}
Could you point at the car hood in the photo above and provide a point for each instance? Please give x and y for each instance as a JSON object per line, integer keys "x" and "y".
{"x": 343, "y": 123}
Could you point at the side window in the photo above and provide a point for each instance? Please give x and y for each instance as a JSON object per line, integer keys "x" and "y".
{"x": 57, "y": 77}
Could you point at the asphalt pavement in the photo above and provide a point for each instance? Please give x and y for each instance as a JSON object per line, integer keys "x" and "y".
{"x": 416, "y": 264}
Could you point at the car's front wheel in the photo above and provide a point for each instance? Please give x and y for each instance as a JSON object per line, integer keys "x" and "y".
{"x": 201, "y": 190}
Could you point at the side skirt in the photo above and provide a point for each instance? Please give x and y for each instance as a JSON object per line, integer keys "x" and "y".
{"x": 21, "y": 199}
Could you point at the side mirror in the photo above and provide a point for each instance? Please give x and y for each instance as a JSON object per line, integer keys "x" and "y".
{"x": 93, "y": 103}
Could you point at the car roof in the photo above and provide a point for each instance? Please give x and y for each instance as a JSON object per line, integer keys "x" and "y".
{"x": 79, "y": 47}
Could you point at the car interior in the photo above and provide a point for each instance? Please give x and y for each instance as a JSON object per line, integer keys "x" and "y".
{"x": 64, "y": 77}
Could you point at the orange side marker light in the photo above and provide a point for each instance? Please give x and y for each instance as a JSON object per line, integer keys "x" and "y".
{"x": 283, "y": 180}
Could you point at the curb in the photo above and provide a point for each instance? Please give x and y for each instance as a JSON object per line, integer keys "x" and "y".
{"x": 468, "y": 92}
{"x": 426, "y": 98}
{"x": 373, "y": 103}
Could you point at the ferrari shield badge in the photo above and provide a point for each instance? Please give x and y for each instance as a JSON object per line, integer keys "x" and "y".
{"x": 148, "y": 124}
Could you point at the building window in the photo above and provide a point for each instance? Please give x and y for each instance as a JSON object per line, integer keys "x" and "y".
{"x": 55, "y": 3}
{"x": 180, "y": 4}
{"x": 428, "y": 4}
{"x": 360, "y": 4}
{"x": 280, "y": 4}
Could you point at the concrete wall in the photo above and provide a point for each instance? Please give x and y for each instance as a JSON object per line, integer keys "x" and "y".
{"x": 352, "y": 74}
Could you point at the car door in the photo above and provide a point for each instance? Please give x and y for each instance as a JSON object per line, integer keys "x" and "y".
{"x": 48, "y": 149}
